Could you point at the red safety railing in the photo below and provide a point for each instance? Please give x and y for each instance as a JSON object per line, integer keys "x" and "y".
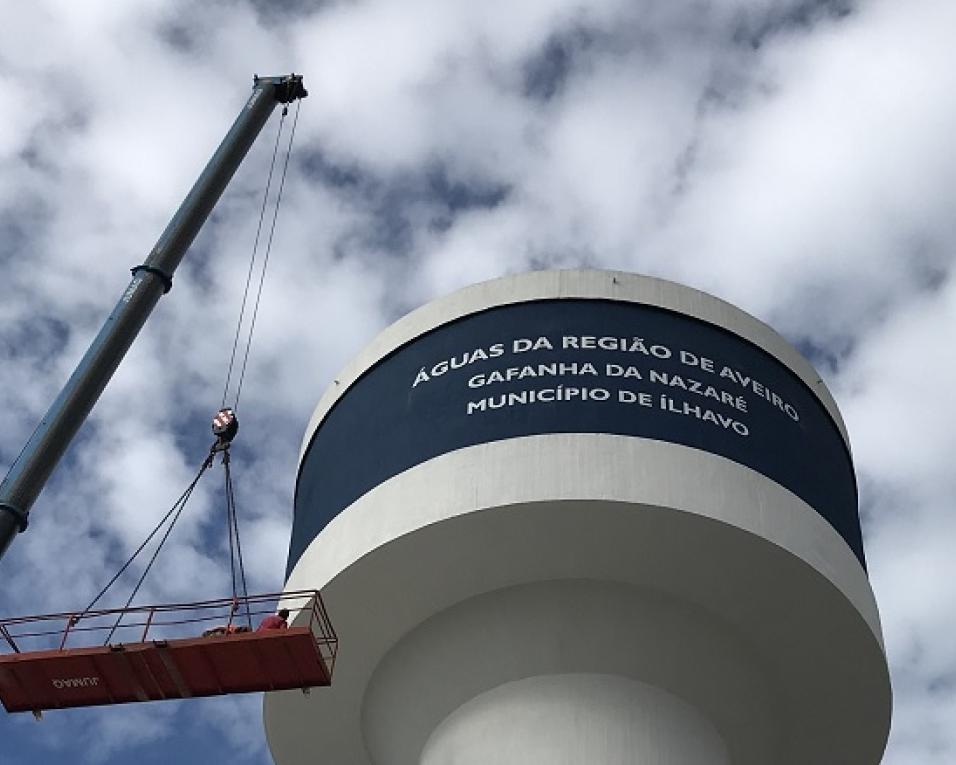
{"x": 165, "y": 651}
{"x": 141, "y": 623}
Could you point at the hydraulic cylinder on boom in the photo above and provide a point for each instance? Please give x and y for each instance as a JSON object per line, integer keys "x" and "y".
{"x": 152, "y": 279}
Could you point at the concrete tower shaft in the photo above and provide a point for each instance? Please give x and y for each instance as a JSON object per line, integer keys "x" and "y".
{"x": 584, "y": 516}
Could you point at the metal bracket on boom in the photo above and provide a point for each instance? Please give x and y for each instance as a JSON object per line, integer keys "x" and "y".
{"x": 165, "y": 278}
{"x": 22, "y": 518}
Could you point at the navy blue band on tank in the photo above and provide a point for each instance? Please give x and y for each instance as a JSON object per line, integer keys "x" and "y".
{"x": 575, "y": 366}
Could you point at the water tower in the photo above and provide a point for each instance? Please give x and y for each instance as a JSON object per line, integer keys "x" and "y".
{"x": 578, "y": 517}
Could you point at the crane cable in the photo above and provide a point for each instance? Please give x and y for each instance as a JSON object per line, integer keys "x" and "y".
{"x": 265, "y": 263}
{"x": 174, "y": 512}
{"x": 232, "y": 520}
{"x": 222, "y": 443}
{"x": 235, "y": 558}
{"x": 272, "y": 230}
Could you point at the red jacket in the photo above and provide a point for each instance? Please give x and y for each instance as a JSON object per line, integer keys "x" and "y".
{"x": 273, "y": 622}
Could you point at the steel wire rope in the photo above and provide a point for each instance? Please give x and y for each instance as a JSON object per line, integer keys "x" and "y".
{"x": 232, "y": 518}
{"x": 252, "y": 259}
{"x": 179, "y": 503}
{"x": 234, "y": 531}
{"x": 265, "y": 261}
{"x": 176, "y": 510}
{"x": 229, "y": 512}
{"x": 182, "y": 504}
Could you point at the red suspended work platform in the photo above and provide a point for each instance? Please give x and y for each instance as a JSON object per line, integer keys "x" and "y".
{"x": 149, "y": 653}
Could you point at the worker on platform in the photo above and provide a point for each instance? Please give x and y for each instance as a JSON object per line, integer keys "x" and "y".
{"x": 226, "y": 629}
{"x": 277, "y": 621}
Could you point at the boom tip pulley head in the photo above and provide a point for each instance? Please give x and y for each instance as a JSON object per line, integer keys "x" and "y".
{"x": 288, "y": 87}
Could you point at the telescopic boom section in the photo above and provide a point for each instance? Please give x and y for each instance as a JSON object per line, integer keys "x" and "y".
{"x": 150, "y": 281}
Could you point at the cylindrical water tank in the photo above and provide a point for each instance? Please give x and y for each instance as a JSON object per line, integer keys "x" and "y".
{"x": 584, "y": 517}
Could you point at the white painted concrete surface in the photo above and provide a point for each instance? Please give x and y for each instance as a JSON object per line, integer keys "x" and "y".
{"x": 575, "y": 719}
{"x": 577, "y": 572}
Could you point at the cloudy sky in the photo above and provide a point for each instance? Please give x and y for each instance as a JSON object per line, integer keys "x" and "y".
{"x": 794, "y": 157}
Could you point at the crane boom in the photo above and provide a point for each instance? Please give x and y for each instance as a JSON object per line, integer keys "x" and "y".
{"x": 29, "y": 473}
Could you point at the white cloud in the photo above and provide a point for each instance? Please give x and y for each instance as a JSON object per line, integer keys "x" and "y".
{"x": 796, "y": 162}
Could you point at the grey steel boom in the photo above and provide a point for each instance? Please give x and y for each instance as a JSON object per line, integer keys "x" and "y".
{"x": 153, "y": 278}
